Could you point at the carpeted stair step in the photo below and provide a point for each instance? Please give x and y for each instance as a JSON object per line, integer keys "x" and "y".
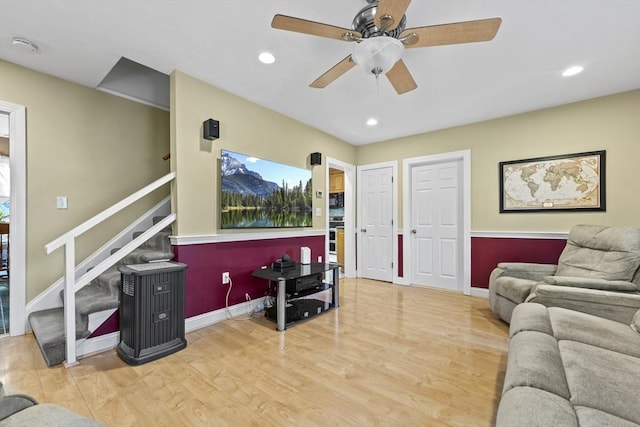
{"x": 48, "y": 328}
{"x": 159, "y": 242}
{"x": 141, "y": 256}
{"x": 101, "y": 294}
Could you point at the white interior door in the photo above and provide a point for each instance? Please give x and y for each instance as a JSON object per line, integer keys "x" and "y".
{"x": 376, "y": 225}
{"x": 436, "y": 225}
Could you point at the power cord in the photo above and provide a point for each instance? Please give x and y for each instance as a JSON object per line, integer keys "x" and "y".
{"x": 226, "y": 301}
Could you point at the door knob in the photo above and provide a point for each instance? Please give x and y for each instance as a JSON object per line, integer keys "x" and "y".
{"x": 364, "y": 230}
{"x": 414, "y": 231}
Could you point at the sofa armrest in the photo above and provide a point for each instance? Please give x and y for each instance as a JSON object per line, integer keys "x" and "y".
{"x": 525, "y": 270}
{"x": 592, "y": 283}
{"x": 521, "y": 270}
{"x": 617, "y": 306}
{"x": 14, "y": 403}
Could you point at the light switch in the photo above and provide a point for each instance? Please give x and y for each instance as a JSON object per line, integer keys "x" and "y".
{"x": 61, "y": 202}
{"x": 318, "y": 211}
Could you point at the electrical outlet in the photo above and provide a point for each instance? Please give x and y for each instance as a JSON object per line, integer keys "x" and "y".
{"x": 226, "y": 278}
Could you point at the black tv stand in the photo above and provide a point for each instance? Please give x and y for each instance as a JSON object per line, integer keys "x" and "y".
{"x": 297, "y": 283}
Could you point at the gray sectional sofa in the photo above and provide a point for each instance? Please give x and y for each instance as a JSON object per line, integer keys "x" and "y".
{"x": 567, "y": 368}
{"x": 19, "y": 410}
{"x": 597, "y": 273}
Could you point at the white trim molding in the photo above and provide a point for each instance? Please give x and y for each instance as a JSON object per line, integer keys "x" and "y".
{"x": 243, "y": 237}
{"x": 520, "y": 235}
{"x": 480, "y": 292}
{"x": 349, "y": 217}
{"x": 18, "y": 214}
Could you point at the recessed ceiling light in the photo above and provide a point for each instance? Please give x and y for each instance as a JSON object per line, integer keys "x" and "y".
{"x": 267, "y": 58}
{"x": 572, "y": 71}
{"x": 372, "y": 122}
{"x": 25, "y": 45}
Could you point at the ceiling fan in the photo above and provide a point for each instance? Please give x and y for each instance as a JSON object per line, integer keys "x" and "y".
{"x": 381, "y": 37}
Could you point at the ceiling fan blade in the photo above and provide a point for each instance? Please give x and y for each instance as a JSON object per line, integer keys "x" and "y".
{"x": 401, "y": 78}
{"x": 336, "y": 71}
{"x": 481, "y": 30}
{"x": 298, "y": 25}
{"x": 393, "y": 8}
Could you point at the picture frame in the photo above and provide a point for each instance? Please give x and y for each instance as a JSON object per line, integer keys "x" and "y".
{"x": 261, "y": 193}
{"x": 569, "y": 182}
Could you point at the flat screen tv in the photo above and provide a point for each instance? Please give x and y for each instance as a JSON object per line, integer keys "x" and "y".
{"x": 258, "y": 193}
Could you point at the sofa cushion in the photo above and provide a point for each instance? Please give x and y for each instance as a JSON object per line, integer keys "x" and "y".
{"x": 514, "y": 288}
{"x": 596, "y": 331}
{"x": 528, "y": 351}
{"x": 526, "y": 406}
{"x": 611, "y": 253}
{"x": 591, "y": 283}
{"x": 601, "y": 379}
{"x": 589, "y": 417}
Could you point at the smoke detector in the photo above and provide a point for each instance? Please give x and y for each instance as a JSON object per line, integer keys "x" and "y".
{"x": 25, "y": 45}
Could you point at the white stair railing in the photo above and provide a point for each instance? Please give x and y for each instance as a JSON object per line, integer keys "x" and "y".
{"x": 68, "y": 241}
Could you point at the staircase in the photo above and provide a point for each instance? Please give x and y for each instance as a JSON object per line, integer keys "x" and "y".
{"x": 101, "y": 295}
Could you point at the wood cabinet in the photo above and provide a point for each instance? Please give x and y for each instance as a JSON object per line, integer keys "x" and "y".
{"x": 340, "y": 246}
{"x": 336, "y": 181}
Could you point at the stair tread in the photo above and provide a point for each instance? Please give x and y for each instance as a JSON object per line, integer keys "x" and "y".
{"x": 142, "y": 255}
{"x": 48, "y": 328}
{"x": 92, "y": 299}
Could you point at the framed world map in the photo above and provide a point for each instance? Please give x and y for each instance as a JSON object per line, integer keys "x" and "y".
{"x": 568, "y": 182}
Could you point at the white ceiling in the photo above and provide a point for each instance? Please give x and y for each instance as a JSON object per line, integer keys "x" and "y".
{"x": 218, "y": 41}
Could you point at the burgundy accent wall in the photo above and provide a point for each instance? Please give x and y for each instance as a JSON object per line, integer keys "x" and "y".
{"x": 204, "y": 291}
{"x": 487, "y": 252}
{"x": 206, "y": 262}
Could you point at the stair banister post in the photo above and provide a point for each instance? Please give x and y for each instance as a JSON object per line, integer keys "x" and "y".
{"x": 70, "y": 302}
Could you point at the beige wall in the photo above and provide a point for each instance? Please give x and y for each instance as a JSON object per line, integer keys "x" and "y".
{"x": 4, "y": 146}
{"x": 609, "y": 123}
{"x": 246, "y": 128}
{"x": 90, "y": 146}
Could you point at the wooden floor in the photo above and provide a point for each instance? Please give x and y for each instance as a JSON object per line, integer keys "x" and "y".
{"x": 390, "y": 355}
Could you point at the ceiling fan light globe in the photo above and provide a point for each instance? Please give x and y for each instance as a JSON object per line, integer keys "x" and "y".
{"x": 377, "y": 55}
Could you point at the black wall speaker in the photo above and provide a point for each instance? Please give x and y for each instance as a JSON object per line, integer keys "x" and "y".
{"x": 316, "y": 159}
{"x": 211, "y": 129}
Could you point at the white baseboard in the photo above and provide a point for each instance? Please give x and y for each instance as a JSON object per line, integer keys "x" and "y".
{"x": 213, "y": 317}
{"x": 107, "y": 342}
{"x": 480, "y": 292}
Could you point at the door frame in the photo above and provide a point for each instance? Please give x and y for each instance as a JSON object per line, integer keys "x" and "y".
{"x": 349, "y": 220}
{"x": 465, "y": 186}
{"x": 18, "y": 212}
{"x": 394, "y": 213}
